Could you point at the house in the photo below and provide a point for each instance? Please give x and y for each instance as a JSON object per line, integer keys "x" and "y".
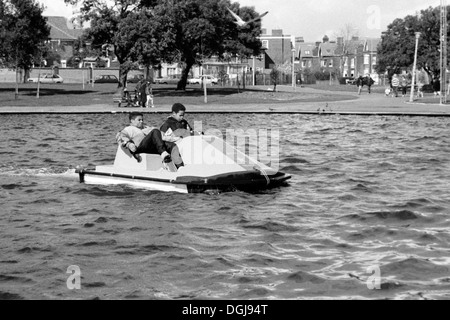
{"x": 277, "y": 49}
{"x": 369, "y": 61}
{"x": 328, "y": 55}
{"x": 63, "y": 36}
{"x": 306, "y": 53}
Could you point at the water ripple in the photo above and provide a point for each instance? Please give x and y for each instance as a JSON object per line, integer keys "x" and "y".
{"x": 365, "y": 192}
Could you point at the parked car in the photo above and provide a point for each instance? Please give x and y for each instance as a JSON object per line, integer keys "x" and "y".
{"x": 136, "y": 78}
{"x": 167, "y": 80}
{"x": 106, "y": 78}
{"x": 208, "y": 79}
{"x": 350, "y": 81}
{"x": 48, "y": 78}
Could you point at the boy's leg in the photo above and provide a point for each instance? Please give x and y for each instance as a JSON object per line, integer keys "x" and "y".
{"x": 172, "y": 148}
{"x": 153, "y": 144}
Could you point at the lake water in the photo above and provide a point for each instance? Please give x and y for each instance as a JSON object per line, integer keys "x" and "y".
{"x": 368, "y": 207}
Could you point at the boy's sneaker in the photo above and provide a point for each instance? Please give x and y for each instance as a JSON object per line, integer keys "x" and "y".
{"x": 165, "y": 156}
{"x": 137, "y": 157}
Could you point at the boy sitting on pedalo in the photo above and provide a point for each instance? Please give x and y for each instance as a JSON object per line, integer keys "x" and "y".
{"x": 139, "y": 138}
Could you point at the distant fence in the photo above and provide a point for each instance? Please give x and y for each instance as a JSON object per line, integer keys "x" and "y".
{"x": 70, "y": 75}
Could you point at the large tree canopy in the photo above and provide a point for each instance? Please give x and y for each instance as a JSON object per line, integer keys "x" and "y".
{"x": 112, "y": 23}
{"x": 185, "y": 31}
{"x": 204, "y": 28}
{"x": 398, "y": 43}
{"x": 23, "y": 31}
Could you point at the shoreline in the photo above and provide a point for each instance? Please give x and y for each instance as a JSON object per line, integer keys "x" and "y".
{"x": 374, "y": 104}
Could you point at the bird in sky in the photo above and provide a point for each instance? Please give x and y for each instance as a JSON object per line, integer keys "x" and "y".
{"x": 241, "y": 23}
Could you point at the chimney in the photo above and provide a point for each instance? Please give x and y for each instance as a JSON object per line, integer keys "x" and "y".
{"x": 277, "y": 32}
{"x": 340, "y": 41}
{"x": 299, "y": 39}
{"x": 318, "y": 43}
{"x": 325, "y": 39}
{"x": 355, "y": 38}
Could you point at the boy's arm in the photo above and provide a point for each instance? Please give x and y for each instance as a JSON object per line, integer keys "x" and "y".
{"x": 124, "y": 140}
{"x": 169, "y": 136}
{"x": 167, "y": 133}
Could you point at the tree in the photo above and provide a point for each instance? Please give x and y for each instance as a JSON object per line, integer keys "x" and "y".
{"x": 23, "y": 33}
{"x": 397, "y": 47}
{"x": 117, "y": 24}
{"x": 204, "y": 28}
{"x": 186, "y": 31}
{"x": 274, "y": 77}
{"x": 346, "y": 33}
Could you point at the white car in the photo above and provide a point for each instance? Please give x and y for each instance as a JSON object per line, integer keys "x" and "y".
{"x": 48, "y": 78}
{"x": 208, "y": 79}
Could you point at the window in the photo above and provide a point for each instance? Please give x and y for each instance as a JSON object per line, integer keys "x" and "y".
{"x": 352, "y": 63}
{"x": 324, "y": 63}
{"x": 170, "y": 71}
{"x": 330, "y": 63}
{"x": 265, "y": 44}
{"x": 374, "y": 60}
{"x": 346, "y": 62}
{"x": 307, "y": 52}
{"x": 366, "y": 59}
{"x": 303, "y": 63}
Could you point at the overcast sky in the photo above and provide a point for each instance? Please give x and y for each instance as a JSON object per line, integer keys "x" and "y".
{"x": 312, "y": 19}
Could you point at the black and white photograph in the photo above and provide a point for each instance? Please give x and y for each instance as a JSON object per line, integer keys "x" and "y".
{"x": 220, "y": 156}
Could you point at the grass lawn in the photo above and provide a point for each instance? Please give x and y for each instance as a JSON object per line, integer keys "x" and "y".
{"x": 75, "y": 95}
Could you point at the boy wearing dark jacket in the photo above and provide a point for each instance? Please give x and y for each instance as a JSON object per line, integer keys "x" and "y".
{"x": 176, "y": 127}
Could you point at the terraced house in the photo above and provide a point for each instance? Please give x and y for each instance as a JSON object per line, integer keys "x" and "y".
{"x": 359, "y": 57}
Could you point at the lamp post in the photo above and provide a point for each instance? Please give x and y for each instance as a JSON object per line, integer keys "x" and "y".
{"x": 253, "y": 71}
{"x": 411, "y": 97}
{"x": 293, "y": 68}
{"x": 443, "y": 55}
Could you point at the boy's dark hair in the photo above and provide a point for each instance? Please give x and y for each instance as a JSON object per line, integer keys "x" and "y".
{"x": 177, "y": 107}
{"x": 133, "y": 115}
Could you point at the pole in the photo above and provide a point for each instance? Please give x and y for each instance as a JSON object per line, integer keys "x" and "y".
{"x": 205, "y": 91}
{"x": 39, "y": 80}
{"x": 443, "y": 56}
{"x": 411, "y": 97}
{"x": 16, "y": 95}
{"x": 293, "y": 68}
{"x": 253, "y": 71}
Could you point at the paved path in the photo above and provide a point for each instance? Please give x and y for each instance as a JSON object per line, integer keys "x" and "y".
{"x": 365, "y": 104}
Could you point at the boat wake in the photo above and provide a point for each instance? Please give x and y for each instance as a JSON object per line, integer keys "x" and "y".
{"x": 37, "y": 172}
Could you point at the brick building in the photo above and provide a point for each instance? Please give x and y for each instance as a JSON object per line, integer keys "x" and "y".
{"x": 62, "y": 37}
{"x": 277, "y": 50}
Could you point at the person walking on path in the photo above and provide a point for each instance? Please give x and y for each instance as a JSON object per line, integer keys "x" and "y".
{"x": 395, "y": 84}
{"x": 437, "y": 86}
{"x": 404, "y": 85}
{"x": 422, "y": 79}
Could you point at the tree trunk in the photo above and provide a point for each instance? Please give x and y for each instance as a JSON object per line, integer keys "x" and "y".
{"x": 184, "y": 75}
{"x": 25, "y": 75}
{"x": 123, "y": 72}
